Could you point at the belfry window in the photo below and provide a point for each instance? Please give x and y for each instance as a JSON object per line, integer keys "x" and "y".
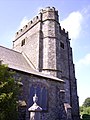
{"x": 41, "y": 93}
{"x": 62, "y": 45}
{"x": 23, "y": 42}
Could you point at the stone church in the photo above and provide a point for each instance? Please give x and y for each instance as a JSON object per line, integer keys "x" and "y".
{"x": 42, "y": 58}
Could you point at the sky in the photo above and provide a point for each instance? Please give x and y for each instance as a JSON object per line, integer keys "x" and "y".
{"x": 74, "y": 16}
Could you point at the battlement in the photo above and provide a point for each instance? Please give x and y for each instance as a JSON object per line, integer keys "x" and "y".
{"x": 49, "y": 9}
{"x": 63, "y": 32}
{"x": 34, "y": 21}
{"x": 28, "y": 26}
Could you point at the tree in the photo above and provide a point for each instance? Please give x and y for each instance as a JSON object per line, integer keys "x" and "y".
{"x": 81, "y": 109}
{"x": 87, "y": 110}
{"x": 87, "y": 102}
{"x": 8, "y": 94}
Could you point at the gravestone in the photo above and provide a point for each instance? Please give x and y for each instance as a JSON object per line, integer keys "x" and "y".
{"x": 35, "y": 109}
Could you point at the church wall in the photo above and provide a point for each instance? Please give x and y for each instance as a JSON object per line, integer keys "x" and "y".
{"x": 55, "y": 109}
{"x": 31, "y": 46}
{"x": 64, "y": 62}
{"x": 68, "y": 75}
{"x": 74, "y": 95}
{"x": 47, "y": 47}
{"x": 51, "y": 36}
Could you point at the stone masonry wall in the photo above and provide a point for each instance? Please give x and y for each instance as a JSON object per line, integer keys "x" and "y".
{"x": 74, "y": 95}
{"x": 31, "y": 34}
{"x": 47, "y": 47}
{"x": 55, "y": 109}
{"x": 51, "y": 36}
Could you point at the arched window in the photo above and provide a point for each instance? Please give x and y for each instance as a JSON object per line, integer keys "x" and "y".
{"x": 44, "y": 99}
{"x": 32, "y": 92}
{"x": 38, "y": 93}
{"x": 41, "y": 93}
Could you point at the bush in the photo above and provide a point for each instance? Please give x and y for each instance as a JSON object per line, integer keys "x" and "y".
{"x": 86, "y": 117}
{"x": 8, "y": 94}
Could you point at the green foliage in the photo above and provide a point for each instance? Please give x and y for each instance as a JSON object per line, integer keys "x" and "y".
{"x": 87, "y": 102}
{"x": 85, "y": 109}
{"x": 81, "y": 110}
{"x": 8, "y": 94}
{"x": 86, "y": 117}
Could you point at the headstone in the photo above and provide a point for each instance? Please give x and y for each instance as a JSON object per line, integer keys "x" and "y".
{"x": 35, "y": 109}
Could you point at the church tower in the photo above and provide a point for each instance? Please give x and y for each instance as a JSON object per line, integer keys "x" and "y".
{"x": 47, "y": 48}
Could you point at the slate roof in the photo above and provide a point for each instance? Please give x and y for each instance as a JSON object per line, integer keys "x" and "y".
{"x": 13, "y": 59}
{"x": 17, "y": 61}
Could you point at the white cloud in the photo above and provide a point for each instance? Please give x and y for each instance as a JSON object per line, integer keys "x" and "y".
{"x": 83, "y": 77}
{"x": 24, "y": 22}
{"x": 73, "y": 24}
{"x": 84, "y": 61}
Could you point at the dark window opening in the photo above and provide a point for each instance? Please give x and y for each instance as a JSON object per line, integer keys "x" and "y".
{"x": 23, "y": 42}
{"x": 37, "y": 17}
{"x": 62, "y": 45}
{"x": 44, "y": 99}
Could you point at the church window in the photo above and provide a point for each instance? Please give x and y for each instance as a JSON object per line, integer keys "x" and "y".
{"x": 23, "y": 42}
{"x": 32, "y": 92}
{"x": 37, "y": 17}
{"x": 44, "y": 99}
{"x": 41, "y": 93}
{"x": 26, "y": 26}
{"x": 62, "y": 45}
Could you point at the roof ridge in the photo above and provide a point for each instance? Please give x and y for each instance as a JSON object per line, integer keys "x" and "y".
{"x": 11, "y": 49}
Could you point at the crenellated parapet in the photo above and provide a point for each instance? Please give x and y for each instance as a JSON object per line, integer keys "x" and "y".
{"x": 51, "y": 9}
{"x": 27, "y": 27}
{"x": 63, "y": 32}
{"x": 49, "y": 13}
{"x": 40, "y": 17}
